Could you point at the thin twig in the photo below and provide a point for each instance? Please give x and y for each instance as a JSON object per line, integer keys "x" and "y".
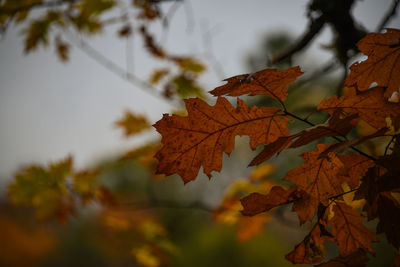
{"x": 111, "y": 66}
{"x": 314, "y": 28}
{"x": 334, "y": 137}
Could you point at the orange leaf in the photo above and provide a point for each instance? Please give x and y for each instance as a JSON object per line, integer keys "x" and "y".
{"x": 271, "y": 149}
{"x": 317, "y": 177}
{"x": 370, "y": 106}
{"x": 311, "y": 250}
{"x": 382, "y": 65}
{"x": 334, "y": 126}
{"x": 256, "y": 203}
{"x": 200, "y": 138}
{"x": 356, "y": 166}
{"x": 270, "y": 82}
{"x": 349, "y": 231}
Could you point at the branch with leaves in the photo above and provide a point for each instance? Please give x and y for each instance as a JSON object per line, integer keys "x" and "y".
{"x": 200, "y": 139}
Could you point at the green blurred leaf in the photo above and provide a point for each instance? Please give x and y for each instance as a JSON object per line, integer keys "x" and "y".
{"x": 38, "y": 30}
{"x": 96, "y": 7}
{"x": 43, "y": 189}
{"x": 186, "y": 87}
{"x": 191, "y": 65}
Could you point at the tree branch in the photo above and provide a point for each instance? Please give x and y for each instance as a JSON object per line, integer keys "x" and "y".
{"x": 334, "y": 137}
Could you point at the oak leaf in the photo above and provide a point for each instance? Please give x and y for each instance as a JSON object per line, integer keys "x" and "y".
{"x": 317, "y": 177}
{"x": 356, "y": 166}
{"x": 256, "y": 203}
{"x": 369, "y": 105}
{"x": 311, "y": 250}
{"x": 349, "y": 231}
{"x": 271, "y": 149}
{"x": 382, "y": 65}
{"x": 270, "y": 82}
{"x": 334, "y": 126}
{"x": 200, "y": 138}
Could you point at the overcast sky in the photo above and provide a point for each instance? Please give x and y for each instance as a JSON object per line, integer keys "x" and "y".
{"x": 49, "y": 109}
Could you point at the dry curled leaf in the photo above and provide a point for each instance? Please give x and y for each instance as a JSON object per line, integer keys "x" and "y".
{"x": 311, "y": 250}
{"x": 270, "y": 82}
{"x": 382, "y": 65}
{"x": 317, "y": 177}
{"x": 349, "y": 231}
{"x": 256, "y": 203}
{"x": 369, "y": 105}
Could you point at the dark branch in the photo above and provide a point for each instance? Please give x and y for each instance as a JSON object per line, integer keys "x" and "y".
{"x": 314, "y": 28}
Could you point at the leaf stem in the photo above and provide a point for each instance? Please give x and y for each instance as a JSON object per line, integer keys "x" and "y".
{"x": 334, "y": 137}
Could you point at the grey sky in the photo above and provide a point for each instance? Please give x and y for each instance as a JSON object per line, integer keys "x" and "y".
{"x": 49, "y": 109}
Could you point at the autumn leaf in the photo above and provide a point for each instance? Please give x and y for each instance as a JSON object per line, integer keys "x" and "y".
{"x": 256, "y": 203}
{"x": 311, "y": 250}
{"x": 349, "y": 231}
{"x": 343, "y": 145}
{"x": 334, "y": 126}
{"x": 356, "y": 166}
{"x": 228, "y": 212}
{"x": 38, "y": 30}
{"x": 62, "y": 49}
{"x": 270, "y": 82}
{"x": 132, "y": 124}
{"x": 369, "y": 105}
{"x": 44, "y": 189}
{"x": 317, "y": 177}
{"x": 271, "y": 149}
{"x": 200, "y": 138}
{"x": 382, "y": 65}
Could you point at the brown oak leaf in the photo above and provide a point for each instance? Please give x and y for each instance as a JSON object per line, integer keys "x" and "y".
{"x": 256, "y": 203}
{"x": 270, "y": 82}
{"x": 318, "y": 178}
{"x": 370, "y": 106}
{"x": 349, "y": 231}
{"x": 311, "y": 250}
{"x": 271, "y": 149}
{"x": 334, "y": 126}
{"x": 382, "y": 65}
{"x": 200, "y": 138}
{"x": 356, "y": 166}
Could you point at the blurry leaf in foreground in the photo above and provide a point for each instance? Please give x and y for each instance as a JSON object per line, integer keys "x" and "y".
{"x": 228, "y": 211}
{"x": 44, "y": 189}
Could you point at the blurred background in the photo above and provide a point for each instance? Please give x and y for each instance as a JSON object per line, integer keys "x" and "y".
{"x": 64, "y": 94}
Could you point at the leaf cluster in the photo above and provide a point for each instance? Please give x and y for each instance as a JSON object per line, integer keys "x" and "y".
{"x": 329, "y": 172}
